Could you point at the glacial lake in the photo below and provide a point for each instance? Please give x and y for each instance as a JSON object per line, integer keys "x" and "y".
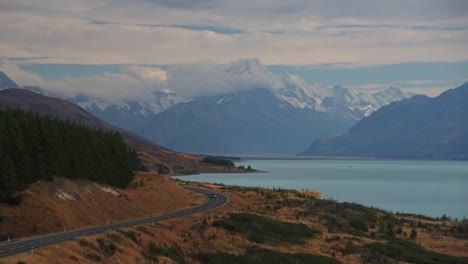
{"x": 431, "y": 188}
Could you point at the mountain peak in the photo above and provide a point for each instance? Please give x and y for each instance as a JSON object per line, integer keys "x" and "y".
{"x": 6, "y": 82}
{"x": 339, "y": 88}
{"x": 248, "y": 66}
{"x": 395, "y": 91}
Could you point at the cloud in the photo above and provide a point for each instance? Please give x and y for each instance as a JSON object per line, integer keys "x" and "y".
{"x": 186, "y": 4}
{"x": 200, "y": 79}
{"x": 430, "y": 88}
{"x": 298, "y": 32}
{"x": 137, "y": 82}
{"x": 133, "y": 83}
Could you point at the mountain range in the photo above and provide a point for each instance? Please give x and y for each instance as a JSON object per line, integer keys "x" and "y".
{"x": 415, "y": 128}
{"x": 264, "y": 113}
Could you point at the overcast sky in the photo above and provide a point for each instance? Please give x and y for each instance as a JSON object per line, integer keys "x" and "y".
{"x": 301, "y": 36}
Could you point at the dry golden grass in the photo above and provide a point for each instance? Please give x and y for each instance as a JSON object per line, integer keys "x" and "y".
{"x": 193, "y": 236}
{"x": 43, "y": 211}
{"x": 441, "y": 243}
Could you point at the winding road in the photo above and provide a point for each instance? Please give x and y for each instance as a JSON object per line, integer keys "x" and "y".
{"x": 215, "y": 200}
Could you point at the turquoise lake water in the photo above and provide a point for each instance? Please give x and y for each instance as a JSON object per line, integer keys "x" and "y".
{"x": 431, "y": 188}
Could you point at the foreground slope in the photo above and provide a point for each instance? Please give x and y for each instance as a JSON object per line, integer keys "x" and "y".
{"x": 420, "y": 128}
{"x": 274, "y": 227}
{"x": 52, "y": 206}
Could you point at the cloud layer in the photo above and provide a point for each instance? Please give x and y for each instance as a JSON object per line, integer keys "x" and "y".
{"x": 298, "y": 32}
{"x": 133, "y": 83}
{"x": 136, "y": 82}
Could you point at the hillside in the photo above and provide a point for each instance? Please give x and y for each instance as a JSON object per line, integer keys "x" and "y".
{"x": 257, "y": 226}
{"x": 51, "y": 206}
{"x": 419, "y": 128}
{"x": 35, "y": 148}
{"x": 151, "y": 154}
{"x": 44, "y": 105}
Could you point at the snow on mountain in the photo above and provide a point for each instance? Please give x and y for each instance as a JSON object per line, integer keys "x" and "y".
{"x": 372, "y": 102}
{"x": 296, "y": 92}
{"x": 160, "y": 101}
{"x": 247, "y": 74}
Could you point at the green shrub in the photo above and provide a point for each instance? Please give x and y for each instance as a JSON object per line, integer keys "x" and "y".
{"x": 218, "y": 161}
{"x": 173, "y": 252}
{"x": 260, "y": 256}
{"x": 107, "y": 248}
{"x": 360, "y": 224}
{"x": 262, "y": 229}
{"x": 407, "y": 251}
{"x": 413, "y": 234}
{"x": 94, "y": 257}
{"x": 349, "y": 247}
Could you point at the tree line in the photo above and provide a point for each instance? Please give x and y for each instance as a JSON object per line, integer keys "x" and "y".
{"x": 35, "y": 147}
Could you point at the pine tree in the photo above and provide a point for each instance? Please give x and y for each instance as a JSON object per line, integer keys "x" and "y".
{"x": 34, "y": 147}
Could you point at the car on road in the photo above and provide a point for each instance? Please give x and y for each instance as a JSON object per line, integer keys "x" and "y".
{"x": 212, "y": 195}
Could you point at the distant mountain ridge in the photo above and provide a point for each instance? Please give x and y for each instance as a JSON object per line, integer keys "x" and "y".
{"x": 280, "y": 115}
{"x": 419, "y": 128}
{"x": 224, "y": 123}
{"x": 252, "y": 121}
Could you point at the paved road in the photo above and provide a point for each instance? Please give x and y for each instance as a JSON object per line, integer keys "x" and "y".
{"x": 27, "y": 245}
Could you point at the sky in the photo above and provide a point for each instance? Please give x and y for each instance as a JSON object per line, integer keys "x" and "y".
{"x": 416, "y": 45}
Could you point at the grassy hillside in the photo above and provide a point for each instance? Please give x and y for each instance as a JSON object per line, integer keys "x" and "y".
{"x": 252, "y": 229}
{"x": 51, "y": 206}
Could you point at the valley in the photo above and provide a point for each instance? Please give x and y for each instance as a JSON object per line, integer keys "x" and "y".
{"x": 226, "y": 132}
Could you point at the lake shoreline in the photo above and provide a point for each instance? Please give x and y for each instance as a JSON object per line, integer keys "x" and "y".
{"x": 431, "y": 188}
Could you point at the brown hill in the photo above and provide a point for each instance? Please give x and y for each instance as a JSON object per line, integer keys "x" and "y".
{"x": 151, "y": 154}
{"x": 51, "y": 206}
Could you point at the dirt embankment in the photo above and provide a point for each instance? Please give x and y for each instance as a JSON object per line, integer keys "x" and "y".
{"x": 49, "y": 207}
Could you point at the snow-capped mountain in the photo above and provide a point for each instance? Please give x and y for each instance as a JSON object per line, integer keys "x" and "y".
{"x": 431, "y": 128}
{"x": 129, "y": 114}
{"x": 298, "y": 93}
{"x": 275, "y": 114}
{"x": 126, "y": 114}
{"x": 158, "y": 102}
{"x": 259, "y": 113}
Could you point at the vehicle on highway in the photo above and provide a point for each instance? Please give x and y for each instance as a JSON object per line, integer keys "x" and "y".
{"x": 212, "y": 195}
